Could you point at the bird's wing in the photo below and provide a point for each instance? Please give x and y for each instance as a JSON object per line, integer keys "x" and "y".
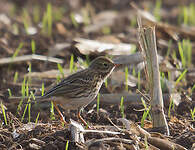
{"x": 74, "y": 86}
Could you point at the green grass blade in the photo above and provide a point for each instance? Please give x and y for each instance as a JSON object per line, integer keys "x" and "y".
{"x": 157, "y": 10}
{"x": 181, "y": 77}
{"x": 67, "y": 142}
{"x": 49, "y": 18}
{"x": 18, "y": 50}
{"x": 37, "y": 118}
{"x": 36, "y": 14}
{"x": 192, "y": 112}
{"x": 4, "y": 115}
{"x": 181, "y": 52}
{"x": 146, "y": 113}
{"x": 29, "y": 112}
{"x": 42, "y": 89}
{"x": 23, "y": 89}
{"x": 71, "y": 63}
{"x": 25, "y": 109}
{"x": 15, "y": 77}
{"x": 10, "y": 93}
{"x": 122, "y": 107}
{"x": 98, "y": 102}
{"x": 170, "y": 106}
{"x": 126, "y": 78}
{"x": 52, "y": 115}
{"x": 61, "y": 70}
{"x": 33, "y": 47}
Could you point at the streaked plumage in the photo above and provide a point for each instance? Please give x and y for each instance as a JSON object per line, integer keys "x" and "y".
{"x": 80, "y": 88}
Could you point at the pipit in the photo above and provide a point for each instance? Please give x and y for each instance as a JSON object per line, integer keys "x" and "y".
{"x": 79, "y": 89}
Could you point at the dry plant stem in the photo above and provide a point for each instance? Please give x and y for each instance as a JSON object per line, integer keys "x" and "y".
{"x": 147, "y": 41}
{"x": 11, "y": 60}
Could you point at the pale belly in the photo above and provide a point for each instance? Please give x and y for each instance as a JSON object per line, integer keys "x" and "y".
{"x": 73, "y": 104}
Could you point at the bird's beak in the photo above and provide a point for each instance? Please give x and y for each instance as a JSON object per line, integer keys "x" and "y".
{"x": 116, "y": 65}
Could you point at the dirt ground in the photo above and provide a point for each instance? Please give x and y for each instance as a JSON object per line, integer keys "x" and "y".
{"x": 55, "y": 30}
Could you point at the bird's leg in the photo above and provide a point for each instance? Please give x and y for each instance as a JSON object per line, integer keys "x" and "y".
{"x": 61, "y": 116}
{"x": 81, "y": 118}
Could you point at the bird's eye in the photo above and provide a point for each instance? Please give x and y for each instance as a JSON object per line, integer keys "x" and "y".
{"x": 105, "y": 64}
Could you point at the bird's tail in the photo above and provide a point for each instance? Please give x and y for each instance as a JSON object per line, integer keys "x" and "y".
{"x": 26, "y": 99}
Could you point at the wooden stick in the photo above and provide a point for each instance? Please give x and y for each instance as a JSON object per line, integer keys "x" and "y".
{"x": 11, "y": 60}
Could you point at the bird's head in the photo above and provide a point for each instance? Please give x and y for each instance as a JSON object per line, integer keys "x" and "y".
{"x": 102, "y": 65}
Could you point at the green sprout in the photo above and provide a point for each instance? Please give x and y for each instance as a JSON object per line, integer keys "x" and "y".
{"x": 49, "y": 18}
{"x": 67, "y": 142}
{"x": 58, "y": 79}
{"x": 52, "y": 115}
{"x": 183, "y": 60}
{"x": 171, "y": 106}
{"x": 98, "y": 102}
{"x": 87, "y": 60}
{"x": 27, "y": 89}
{"x": 181, "y": 77}
{"x": 33, "y": 47}
{"x": 37, "y": 118}
{"x": 192, "y": 112}
{"x": 146, "y": 113}
{"x": 186, "y": 16}
{"x": 26, "y": 19}
{"x": 18, "y": 50}
{"x": 157, "y": 10}
{"x": 25, "y": 109}
{"x": 15, "y": 77}
{"x": 4, "y": 115}
{"x": 185, "y": 51}
{"x": 29, "y": 110}
{"x": 106, "y": 83}
{"x": 192, "y": 88}
{"x": 42, "y": 89}
{"x": 10, "y": 93}
{"x": 162, "y": 81}
{"x": 44, "y": 23}
{"x": 122, "y": 107}
{"x": 71, "y": 63}
{"x": 23, "y": 89}
{"x": 60, "y": 68}
{"x": 36, "y": 14}
{"x": 126, "y": 78}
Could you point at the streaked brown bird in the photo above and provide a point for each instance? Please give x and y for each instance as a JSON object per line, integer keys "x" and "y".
{"x": 79, "y": 89}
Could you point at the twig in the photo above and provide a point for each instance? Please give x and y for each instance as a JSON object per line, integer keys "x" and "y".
{"x": 10, "y": 60}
